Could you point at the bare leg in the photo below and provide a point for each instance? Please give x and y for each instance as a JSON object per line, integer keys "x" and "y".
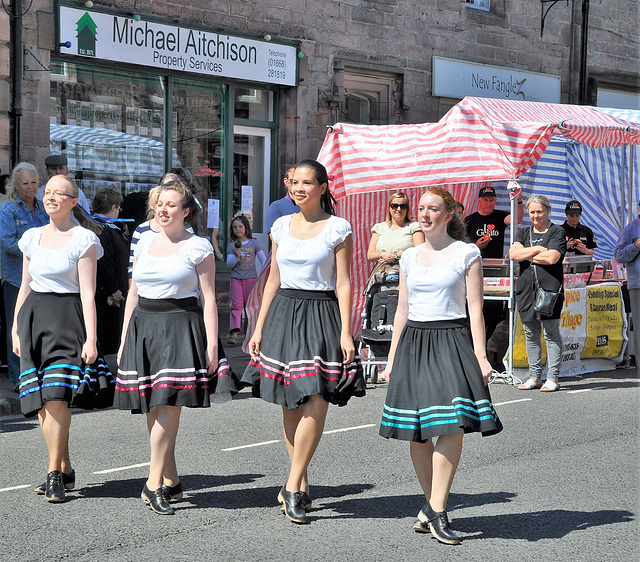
{"x": 446, "y": 456}
{"x": 422, "y": 458}
{"x": 163, "y": 443}
{"x": 291, "y": 419}
{"x": 306, "y": 438}
{"x": 55, "y": 420}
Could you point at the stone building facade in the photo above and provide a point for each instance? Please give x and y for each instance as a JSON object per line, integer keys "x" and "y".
{"x": 368, "y": 61}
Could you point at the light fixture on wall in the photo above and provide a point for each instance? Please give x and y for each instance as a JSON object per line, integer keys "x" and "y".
{"x": 267, "y": 37}
{"x": 66, "y": 44}
{"x": 88, "y": 4}
{"x": 136, "y": 17}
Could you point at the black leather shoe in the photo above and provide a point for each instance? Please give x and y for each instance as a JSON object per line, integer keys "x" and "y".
{"x": 292, "y": 505}
{"x": 155, "y": 500}
{"x": 306, "y": 500}
{"x": 172, "y": 492}
{"x": 420, "y": 527}
{"x": 69, "y": 481}
{"x": 438, "y": 524}
{"x": 55, "y": 487}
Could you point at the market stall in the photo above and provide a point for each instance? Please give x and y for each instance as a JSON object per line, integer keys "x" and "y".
{"x": 477, "y": 142}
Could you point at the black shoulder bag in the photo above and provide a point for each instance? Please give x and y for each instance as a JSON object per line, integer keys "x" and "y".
{"x": 545, "y": 301}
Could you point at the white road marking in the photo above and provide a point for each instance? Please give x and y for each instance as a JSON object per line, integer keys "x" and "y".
{"x": 350, "y": 428}
{"x": 512, "y": 401}
{"x": 252, "y": 445}
{"x": 15, "y": 488}
{"x": 581, "y": 390}
{"x": 120, "y": 468}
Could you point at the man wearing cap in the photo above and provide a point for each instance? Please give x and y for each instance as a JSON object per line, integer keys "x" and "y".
{"x": 580, "y": 238}
{"x": 57, "y": 164}
{"x": 486, "y": 228}
{"x": 627, "y": 251}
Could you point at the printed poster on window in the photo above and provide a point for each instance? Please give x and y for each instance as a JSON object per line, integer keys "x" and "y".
{"x": 213, "y": 213}
{"x": 246, "y": 208}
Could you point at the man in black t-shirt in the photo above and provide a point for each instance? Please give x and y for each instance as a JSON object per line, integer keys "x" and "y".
{"x": 580, "y": 238}
{"x": 486, "y": 229}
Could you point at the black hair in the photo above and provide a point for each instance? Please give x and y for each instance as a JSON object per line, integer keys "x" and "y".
{"x": 327, "y": 200}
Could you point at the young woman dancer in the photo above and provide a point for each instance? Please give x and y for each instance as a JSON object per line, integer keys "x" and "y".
{"x": 54, "y": 331}
{"x": 242, "y": 253}
{"x": 437, "y": 378}
{"x": 170, "y": 354}
{"x": 302, "y": 351}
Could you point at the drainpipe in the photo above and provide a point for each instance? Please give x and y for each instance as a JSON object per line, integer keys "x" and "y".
{"x": 15, "y": 112}
{"x": 583, "y": 53}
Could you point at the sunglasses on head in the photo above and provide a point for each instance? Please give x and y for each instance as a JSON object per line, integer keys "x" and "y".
{"x": 396, "y": 206}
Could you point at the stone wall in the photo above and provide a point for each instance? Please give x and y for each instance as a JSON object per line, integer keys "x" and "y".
{"x": 5, "y": 93}
{"x": 401, "y": 34}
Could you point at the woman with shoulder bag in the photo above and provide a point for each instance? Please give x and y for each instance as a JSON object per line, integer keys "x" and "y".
{"x": 540, "y": 250}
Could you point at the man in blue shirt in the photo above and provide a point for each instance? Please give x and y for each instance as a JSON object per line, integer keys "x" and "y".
{"x": 284, "y": 206}
{"x": 627, "y": 251}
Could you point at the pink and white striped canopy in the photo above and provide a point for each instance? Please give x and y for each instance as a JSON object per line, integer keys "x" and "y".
{"x": 478, "y": 140}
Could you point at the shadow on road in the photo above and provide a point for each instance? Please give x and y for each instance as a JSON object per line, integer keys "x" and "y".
{"x": 399, "y": 507}
{"x": 193, "y": 486}
{"x": 551, "y": 524}
{"x": 256, "y": 497}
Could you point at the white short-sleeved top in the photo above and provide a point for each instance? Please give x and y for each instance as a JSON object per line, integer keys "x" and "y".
{"x": 438, "y": 292}
{"x": 169, "y": 277}
{"x": 309, "y": 264}
{"x": 56, "y": 271}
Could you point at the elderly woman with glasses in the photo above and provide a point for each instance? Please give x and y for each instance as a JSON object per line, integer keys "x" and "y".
{"x": 390, "y": 238}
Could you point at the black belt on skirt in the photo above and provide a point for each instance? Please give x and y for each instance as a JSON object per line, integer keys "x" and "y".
{"x": 168, "y": 305}
{"x": 438, "y": 324}
{"x": 310, "y": 295}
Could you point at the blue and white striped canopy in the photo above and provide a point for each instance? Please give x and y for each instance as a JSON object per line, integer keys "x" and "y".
{"x": 597, "y": 177}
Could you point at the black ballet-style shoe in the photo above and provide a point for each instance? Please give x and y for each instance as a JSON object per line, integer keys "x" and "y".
{"x": 172, "y": 492}
{"x": 292, "y": 505}
{"x": 155, "y": 500}
{"x": 69, "y": 481}
{"x": 55, "y": 487}
{"x": 438, "y": 524}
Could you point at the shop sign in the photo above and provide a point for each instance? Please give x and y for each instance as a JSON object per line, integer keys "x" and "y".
{"x": 126, "y": 39}
{"x": 458, "y": 79}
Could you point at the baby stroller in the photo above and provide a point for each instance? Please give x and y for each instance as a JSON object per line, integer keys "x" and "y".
{"x": 381, "y": 300}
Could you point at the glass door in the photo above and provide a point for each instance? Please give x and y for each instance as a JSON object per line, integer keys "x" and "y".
{"x": 251, "y": 173}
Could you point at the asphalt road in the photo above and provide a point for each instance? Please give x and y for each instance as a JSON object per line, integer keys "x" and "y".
{"x": 561, "y": 482}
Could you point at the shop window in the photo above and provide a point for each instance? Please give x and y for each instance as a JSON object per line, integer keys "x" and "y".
{"x": 197, "y": 125}
{"x": 110, "y": 126}
{"x": 253, "y": 104}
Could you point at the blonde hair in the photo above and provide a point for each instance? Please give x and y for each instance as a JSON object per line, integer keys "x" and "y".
{"x": 187, "y": 199}
{"x": 399, "y": 195}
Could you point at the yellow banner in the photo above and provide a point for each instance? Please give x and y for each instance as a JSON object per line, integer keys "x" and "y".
{"x": 605, "y": 322}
